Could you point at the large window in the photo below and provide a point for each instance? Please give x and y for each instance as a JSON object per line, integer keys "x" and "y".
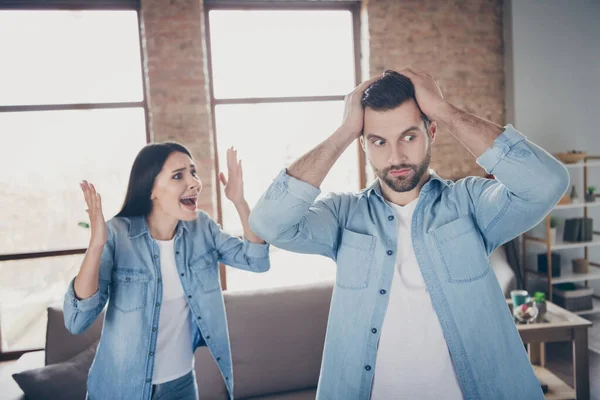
{"x": 279, "y": 77}
{"x": 72, "y": 107}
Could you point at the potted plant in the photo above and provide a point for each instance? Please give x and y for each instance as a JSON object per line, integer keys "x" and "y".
{"x": 590, "y": 197}
{"x": 553, "y": 227}
{"x": 540, "y": 301}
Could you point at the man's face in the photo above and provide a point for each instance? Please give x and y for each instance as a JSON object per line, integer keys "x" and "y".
{"x": 398, "y": 145}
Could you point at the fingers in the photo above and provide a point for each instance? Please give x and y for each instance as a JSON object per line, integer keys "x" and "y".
{"x": 240, "y": 168}
{"x": 86, "y": 192}
{"x": 93, "y": 198}
{"x": 223, "y": 179}
{"x": 231, "y": 159}
{"x": 99, "y": 202}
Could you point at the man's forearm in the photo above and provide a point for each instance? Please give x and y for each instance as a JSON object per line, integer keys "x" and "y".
{"x": 314, "y": 166}
{"x": 476, "y": 134}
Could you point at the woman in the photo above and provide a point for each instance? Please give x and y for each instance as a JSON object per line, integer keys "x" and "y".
{"x": 156, "y": 263}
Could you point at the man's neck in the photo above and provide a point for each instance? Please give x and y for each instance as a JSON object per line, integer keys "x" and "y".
{"x": 403, "y": 198}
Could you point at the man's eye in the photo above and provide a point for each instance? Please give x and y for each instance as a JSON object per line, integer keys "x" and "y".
{"x": 378, "y": 142}
{"x": 409, "y": 138}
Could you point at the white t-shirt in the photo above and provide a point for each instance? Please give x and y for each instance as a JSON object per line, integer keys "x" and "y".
{"x": 174, "y": 352}
{"x": 413, "y": 361}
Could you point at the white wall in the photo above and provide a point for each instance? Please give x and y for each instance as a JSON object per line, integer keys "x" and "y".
{"x": 553, "y": 80}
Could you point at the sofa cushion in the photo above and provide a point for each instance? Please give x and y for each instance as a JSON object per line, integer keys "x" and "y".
{"x": 277, "y": 338}
{"x": 61, "y": 345}
{"x": 309, "y": 394}
{"x": 65, "y": 380}
{"x": 10, "y": 390}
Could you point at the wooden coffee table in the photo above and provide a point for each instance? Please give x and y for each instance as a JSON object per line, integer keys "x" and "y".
{"x": 559, "y": 325}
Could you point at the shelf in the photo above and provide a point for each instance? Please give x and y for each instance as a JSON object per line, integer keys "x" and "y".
{"x": 563, "y": 245}
{"x": 581, "y": 204}
{"x": 580, "y": 164}
{"x": 594, "y": 310}
{"x": 557, "y": 388}
{"x": 567, "y": 275}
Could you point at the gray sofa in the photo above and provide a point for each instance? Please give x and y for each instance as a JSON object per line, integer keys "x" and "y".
{"x": 276, "y": 338}
{"x": 276, "y": 335}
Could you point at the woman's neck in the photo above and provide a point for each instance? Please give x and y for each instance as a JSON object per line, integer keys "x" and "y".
{"x": 161, "y": 226}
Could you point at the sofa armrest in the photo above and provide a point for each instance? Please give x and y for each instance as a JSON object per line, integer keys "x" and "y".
{"x": 61, "y": 345}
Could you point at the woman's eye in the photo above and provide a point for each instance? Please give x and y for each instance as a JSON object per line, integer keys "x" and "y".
{"x": 177, "y": 176}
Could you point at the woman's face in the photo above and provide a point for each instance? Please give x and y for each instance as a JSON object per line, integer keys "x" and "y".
{"x": 176, "y": 188}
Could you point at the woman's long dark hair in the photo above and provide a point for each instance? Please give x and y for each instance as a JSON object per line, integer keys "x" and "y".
{"x": 147, "y": 165}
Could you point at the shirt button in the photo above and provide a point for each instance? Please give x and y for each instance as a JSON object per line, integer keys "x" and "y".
{"x": 382, "y": 291}
{"x": 182, "y": 274}
{"x": 151, "y": 353}
{"x": 207, "y": 262}
{"x": 148, "y": 380}
{"x": 389, "y": 252}
{"x": 127, "y": 279}
{"x": 177, "y": 252}
{"x": 155, "y": 256}
{"x": 226, "y": 378}
{"x": 374, "y": 330}
{"x": 368, "y": 367}
{"x": 153, "y": 329}
{"x": 199, "y": 318}
{"x": 159, "y": 280}
{"x": 157, "y": 304}
{"x": 208, "y": 337}
{"x": 218, "y": 358}
{"x": 189, "y": 296}
{"x": 391, "y": 217}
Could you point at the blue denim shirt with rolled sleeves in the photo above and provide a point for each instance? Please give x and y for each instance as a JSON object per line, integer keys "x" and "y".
{"x": 455, "y": 226}
{"x": 130, "y": 281}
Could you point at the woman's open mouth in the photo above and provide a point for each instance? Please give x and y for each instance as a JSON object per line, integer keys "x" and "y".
{"x": 189, "y": 202}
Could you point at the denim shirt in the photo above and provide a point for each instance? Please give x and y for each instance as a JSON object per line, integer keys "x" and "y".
{"x": 455, "y": 226}
{"x": 130, "y": 280}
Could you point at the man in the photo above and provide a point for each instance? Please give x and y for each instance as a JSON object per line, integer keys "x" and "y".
{"x": 416, "y": 312}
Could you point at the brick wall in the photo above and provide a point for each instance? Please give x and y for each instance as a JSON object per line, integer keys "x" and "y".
{"x": 457, "y": 41}
{"x": 177, "y": 85}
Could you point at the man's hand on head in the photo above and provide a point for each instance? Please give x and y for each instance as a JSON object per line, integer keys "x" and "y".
{"x": 429, "y": 95}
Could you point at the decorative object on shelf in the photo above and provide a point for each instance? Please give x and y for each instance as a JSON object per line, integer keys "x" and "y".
{"x": 543, "y": 264}
{"x": 574, "y": 196}
{"x": 572, "y": 297}
{"x": 526, "y": 312}
{"x": 571, "y": 157}
{"x": 578, "y": 230}
{"x": 553, "y": 227}
{"x": 590, "y": 197}
{"x": 540, "y": 301}
{"x": 581, "y": 266}
{"x": 519, "y": 297}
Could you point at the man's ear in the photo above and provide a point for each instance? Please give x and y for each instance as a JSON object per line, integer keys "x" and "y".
{"x": 363, "y": 144}
{"x": 432, "y": 130}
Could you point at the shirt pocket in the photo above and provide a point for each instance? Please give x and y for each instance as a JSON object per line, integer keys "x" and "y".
{"x": 354, "y": 260}
{"x": 206, "y": 271}
{"x": 129, "y": 289}
{"x": 462, "y": 250}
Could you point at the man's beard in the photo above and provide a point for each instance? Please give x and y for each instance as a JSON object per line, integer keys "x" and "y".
{"x": 404, "y": 183}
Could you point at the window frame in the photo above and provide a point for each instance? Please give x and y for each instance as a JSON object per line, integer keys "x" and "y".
{"x": 73, "y": 5}
{"x": 354, "y": 6}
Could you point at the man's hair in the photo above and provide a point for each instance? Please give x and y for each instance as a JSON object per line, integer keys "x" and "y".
{"x": 389, "y": 92}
